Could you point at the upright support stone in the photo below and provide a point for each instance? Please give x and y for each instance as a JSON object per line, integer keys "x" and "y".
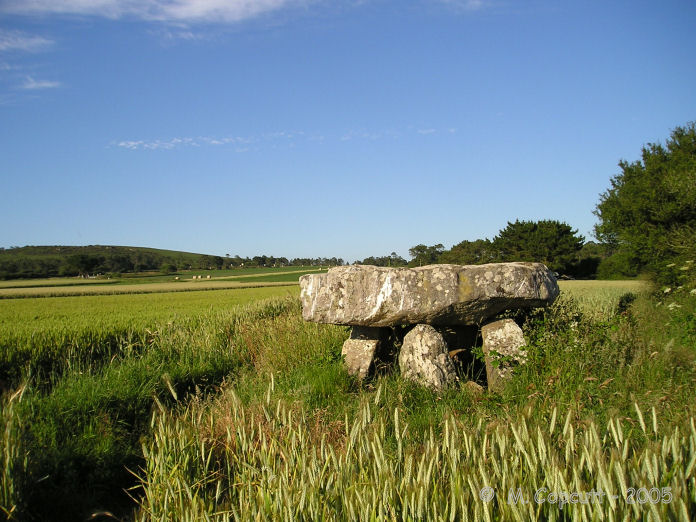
{"x": 502, "y": 343}
{"x": 359, "y": 350}
{"x": 424, "y": 358}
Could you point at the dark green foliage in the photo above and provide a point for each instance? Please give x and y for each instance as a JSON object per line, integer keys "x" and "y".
{"x": 620, "y": 265}
{"x": 548, "y": 241}
{"x": 168, "y": 268}
{"x": 625, "y": 302}
{"x": 425, "y": 255}
{"x": 475, "y": 252}
{"x": 392, "y": 259}
{"x": 587, "y": 261}
{"x": 52, "y": 261}
{"x": 583, "y": 268}
{"x": 316, "y": 261}
{"x": 648, "y": 215}
{"x": 551, "y": 242}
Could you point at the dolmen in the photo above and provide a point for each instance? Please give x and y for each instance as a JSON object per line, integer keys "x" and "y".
{"x": 429, "y": 314}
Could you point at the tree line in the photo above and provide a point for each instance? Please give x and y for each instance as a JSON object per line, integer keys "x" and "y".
{"x": 271, "y": 261}
{"x": 37, "y": 261}
{"x": 551, "y": 242}
{"x": 646, "y": 226}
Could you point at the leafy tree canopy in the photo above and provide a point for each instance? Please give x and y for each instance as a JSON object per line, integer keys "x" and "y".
{"x": 648, "y": 215}
{"x": 550, "y": 242}
{"x": 425, "y": 255}
{"x": 475, "y": 252}
{"x": 391, "y": 260}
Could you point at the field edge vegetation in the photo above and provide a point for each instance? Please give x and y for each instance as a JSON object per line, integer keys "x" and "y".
{"x": 177, "y": 401}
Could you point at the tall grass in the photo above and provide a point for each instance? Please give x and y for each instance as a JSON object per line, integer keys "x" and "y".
{"x": 80, "y": 422}
{"x": 273, "y": 466}
{"x": 203, "y": 410}
{"x": 604, "y": 406}
{"x": 14, "y": 460}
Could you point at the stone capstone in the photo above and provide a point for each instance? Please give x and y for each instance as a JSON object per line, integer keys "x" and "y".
{"x": 363, "y": 295}
{"x": 424, "y": 358}
{"x": 502, "y": 347}
{"x": 359, "y": 350}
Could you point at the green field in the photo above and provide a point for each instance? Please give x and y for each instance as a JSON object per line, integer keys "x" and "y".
{"x": 599, "y": 298}
{"x": 227, "y": 274}
{"x": 137, "y": 310}
{"x": 139, "y": 283}
{"x": 55, "y": 281}
{"x": 141, "y": 288}
{"x": 226, "y": 404}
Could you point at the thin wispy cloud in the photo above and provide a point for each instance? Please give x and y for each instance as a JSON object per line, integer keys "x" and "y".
{"x": 19, "y": 41}
{"x": 13, "y": 46}
{"x": 181, "y": 34}
{"x": 172, "y": 143}
{"x": 467, "y": 5}
{"x": 7, "y": 99}
{"x": 272, "y": 139}
{"x": 31, "y": 84}
{"x": 188, "y": 11}
{"x": 369, "y": 135}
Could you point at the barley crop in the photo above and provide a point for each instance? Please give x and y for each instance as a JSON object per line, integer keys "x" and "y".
{"x": 271, "y": 467}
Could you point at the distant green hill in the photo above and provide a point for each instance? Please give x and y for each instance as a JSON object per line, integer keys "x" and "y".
{"x": 50, "y": 261}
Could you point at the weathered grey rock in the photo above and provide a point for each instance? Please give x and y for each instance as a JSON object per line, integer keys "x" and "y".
{"x": 424, "y": 358}
{"x": 359, "y": 350}
{"x": 502, "y": 343}
{"x": 474, "y": 388}
{"x": 435, "y": 294}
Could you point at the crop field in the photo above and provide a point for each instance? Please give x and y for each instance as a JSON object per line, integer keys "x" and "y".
{"x": 219, "y": 279}
{"x": 223, "y": 274}
{"x": 142, "y": 288}
{"x": 600, "y": 298}
{"x": 54, "y": 281}
{"x": 226, "y": 405}
{"x": 137, "y": 310}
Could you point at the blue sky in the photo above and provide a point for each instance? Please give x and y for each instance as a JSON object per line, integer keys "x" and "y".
{"x": 340, "y": 128}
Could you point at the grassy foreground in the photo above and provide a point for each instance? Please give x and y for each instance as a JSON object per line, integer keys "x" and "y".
{"x": 244, "y": 412}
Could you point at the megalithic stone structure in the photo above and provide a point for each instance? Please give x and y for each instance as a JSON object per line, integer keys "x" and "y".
{"x": 362, "y": 295}
{"x": 376, "y": 299}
